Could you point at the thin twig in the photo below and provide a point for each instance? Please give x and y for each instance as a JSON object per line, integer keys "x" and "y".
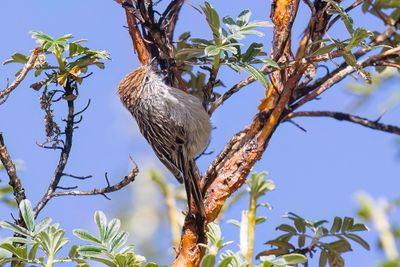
{"x": 350, "y": 118}
{"x": 348, "y": 9}
{"x": 21, "y": 76}
{"x": 77, "y": 177}
{"x": 343, "y": 71}
{"x": 64, "y": 155}
{"x": 101, "y": 191}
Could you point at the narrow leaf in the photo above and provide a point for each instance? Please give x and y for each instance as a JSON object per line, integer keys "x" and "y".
{"x": 359, "y": 240}
{"x": 27, "y": 214}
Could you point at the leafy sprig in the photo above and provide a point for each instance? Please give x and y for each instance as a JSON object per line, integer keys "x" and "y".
{"x": 332, "y": 242}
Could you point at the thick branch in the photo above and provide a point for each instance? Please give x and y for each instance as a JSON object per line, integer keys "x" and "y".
{"x": 376, "y": 125}
{"x": 15, "y": 182}
{"x": 138, "y": 42}
{"x": 21, "y": 76}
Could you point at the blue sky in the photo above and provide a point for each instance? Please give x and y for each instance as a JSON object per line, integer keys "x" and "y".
{"x": 316, "y": 173}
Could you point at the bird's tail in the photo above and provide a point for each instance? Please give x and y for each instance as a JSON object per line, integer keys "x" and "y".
{"x": 192, "y": 186}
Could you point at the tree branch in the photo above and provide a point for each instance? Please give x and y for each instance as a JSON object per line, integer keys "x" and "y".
{"x": 9, "y": 166}
{"x": 376, "y": 125}
{"x": 340, "y": 73}
{"x": 65, "y": 151}
{"x": 101, "y": 191}
{"x": 139, "y": 44}
{"x": 21, "y": 76}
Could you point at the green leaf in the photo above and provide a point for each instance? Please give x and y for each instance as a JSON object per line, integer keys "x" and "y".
{"x": 358, "y": 227}
{"x": 42, "y": 225}
{"x": 286, "y": 228}
{"x": 257, "y": 74}
{"x": 89, "y": 250}
{"x": 119, "y": 241}
{"x": 212, "y": 50}
{"x": 276, "y": 252}
{"x": 22, "y": 240}
{"x": 339, "y": 246}
{"x": 260, "y": 219}
{"x": 243, "y": 18}
{"x": 101, "y": 222}
{"x": 294, "y": 258}
{"x": 260, "y": 23}
{"x": 17, "y": 58}
{"x": 9, "y": 247}
{"x": 270, "y": 62}
{"x": 347, "y": 20}
{"x": 112, "y": 229}
{"x": 208, "y": 261}
{"x": 73, "y": 252}
{"x": 323, "y": 50}
{"x": 13, "y": 227}
{"x": 358, "y": 37}
{"x": 359, "y": 240}
{"x": 337, "y": 224}
{"x": 85, "y": 235}
{"x": 41, "y": 37}
{"x": 323, "y": 258}
{"x": 227, "y": 20}
{"x": 105, "y": 261}
{"x": 230, "y": 48}
{"x": 33, "y": 251}
{"x": 234, "y": 222}
{"x": 251, "y": 52}
{"x": 347, "y": 223}
{"x": 59, "y": 241}
{"x": 280, "y": 244}
{"x": 225, "y": 261}
{"x": 300, "y": 225}
{"x": 200, "y": 41}
{"x": 213, "y": 21}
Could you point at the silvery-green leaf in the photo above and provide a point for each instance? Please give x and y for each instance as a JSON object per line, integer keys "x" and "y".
{"x": 101, "y": 222}
{"x": 42, "y": 225}
{"x": 13, "y": 227}
{"x": 85, "y": 235}
{"x": 27, "y": 214}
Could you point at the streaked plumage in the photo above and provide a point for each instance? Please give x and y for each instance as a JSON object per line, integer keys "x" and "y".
{"x": 173, "y": 122}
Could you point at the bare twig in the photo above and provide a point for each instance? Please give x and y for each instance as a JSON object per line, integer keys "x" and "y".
{"x": 101, "y": 191}
{"x": 348, "y": 117}
{"x": 21, "y": 76}
{"x": 77, "y": 176}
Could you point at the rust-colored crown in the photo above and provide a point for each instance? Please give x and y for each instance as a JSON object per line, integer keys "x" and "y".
{"x": 130, "y": 85}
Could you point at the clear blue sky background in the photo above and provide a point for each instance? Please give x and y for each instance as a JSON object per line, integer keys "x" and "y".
{"x": 317, "y": 173}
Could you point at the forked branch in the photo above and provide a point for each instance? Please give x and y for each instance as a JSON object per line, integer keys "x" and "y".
{"x": 21, "y": 76}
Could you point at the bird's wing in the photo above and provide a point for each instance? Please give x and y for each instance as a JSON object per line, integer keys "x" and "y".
{"x": 167, "y": 145}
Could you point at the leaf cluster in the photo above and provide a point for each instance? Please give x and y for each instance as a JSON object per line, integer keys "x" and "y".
{"x": 39, "y": 243}
{"x": 224, "y": 48}
{"x": 307, "y": 237}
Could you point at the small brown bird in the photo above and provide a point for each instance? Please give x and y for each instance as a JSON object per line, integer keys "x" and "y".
{"x": 173, "y": 122}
